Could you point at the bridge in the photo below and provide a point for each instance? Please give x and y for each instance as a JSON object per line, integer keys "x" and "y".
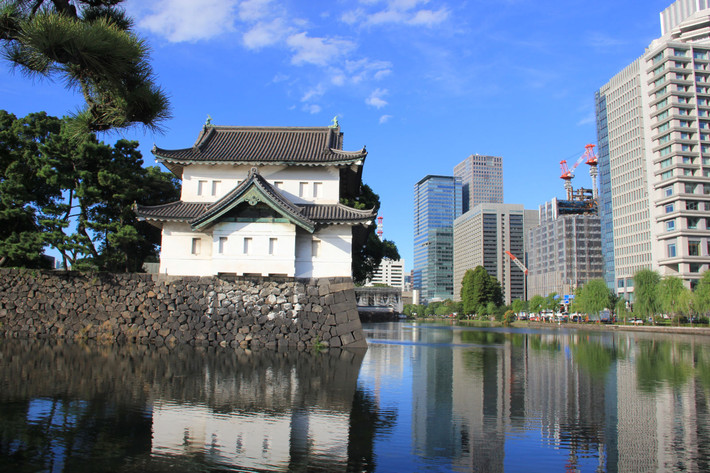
{"x": 376, "y": 304}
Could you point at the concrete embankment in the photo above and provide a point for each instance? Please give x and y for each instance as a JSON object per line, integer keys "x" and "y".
{"x": 144, "y": 308}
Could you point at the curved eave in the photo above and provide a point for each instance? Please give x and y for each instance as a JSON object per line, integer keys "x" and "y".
{"x": 180, "y": 163}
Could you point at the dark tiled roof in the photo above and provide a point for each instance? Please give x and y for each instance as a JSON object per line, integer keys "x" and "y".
{"x": 336, "y": 213}
{"x": 174, "y": 211}
{"x": 317, "y": 213}
{"x": 263, "y": 145}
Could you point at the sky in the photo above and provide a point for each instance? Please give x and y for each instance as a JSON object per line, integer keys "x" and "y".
{"x": 422, "y": 83}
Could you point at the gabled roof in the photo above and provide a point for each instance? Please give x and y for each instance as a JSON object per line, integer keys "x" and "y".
{"x": 307, "y": 146}
{"x": 252, "y": 190}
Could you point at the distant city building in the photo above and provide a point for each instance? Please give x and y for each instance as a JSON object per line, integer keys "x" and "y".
{"x": 564, "y": 251}
{"x": 390, "y": 273}
{"x": 481, "y": 180}
{"x": 483, "y": 235}
{"x": 437, "y": 202}
{"x": 653, "y": 128}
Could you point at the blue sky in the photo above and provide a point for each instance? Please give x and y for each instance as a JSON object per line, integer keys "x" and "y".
{"x": 422, "y": 83}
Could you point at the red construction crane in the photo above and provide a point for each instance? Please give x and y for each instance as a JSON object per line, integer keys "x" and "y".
{"x": 517, "y": 262}
{"x": 592, "y": 162}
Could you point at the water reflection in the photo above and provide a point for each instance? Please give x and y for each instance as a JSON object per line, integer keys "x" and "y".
{"x": 133, "y": 408}
{"x": 494, "y": 400}
{"x": 422, "y": 398}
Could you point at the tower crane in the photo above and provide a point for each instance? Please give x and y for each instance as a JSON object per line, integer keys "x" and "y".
{"x": 592, "y": 162}
{"x": 568, "y": 173}
{"x": 517, "y": 262}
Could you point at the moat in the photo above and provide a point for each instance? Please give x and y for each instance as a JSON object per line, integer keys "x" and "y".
{"x": 420, "y": 398}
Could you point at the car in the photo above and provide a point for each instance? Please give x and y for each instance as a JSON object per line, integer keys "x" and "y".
{"x": 636, "y": 321}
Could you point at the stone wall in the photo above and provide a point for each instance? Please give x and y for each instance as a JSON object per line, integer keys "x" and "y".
{"x": 144, "y": 308}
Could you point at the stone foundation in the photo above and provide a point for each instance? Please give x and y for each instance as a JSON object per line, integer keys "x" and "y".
{"x": 153, "y": 309}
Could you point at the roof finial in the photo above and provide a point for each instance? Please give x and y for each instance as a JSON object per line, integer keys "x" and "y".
{"x": 335, "y": 122}
{"x": 209, "y": 121}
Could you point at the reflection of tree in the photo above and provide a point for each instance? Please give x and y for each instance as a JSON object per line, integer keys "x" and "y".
{"x": 661, "y": 361}
{"x": 366, "y": 421}
{"x": 594, "y": 357}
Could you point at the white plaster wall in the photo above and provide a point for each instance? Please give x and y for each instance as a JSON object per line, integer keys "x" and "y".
{"x": 258, "y": 260}
{"x": 176, "y": 251}
{"x": 325, "y": 178}
{"x": 176, "y": 256}
{"x": 334, "y": 258}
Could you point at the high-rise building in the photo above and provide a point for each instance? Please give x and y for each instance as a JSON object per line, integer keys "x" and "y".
{"x": 481, "y": 180}
{"x": 564, "y": 251}
{"x": 653, "y": 126}
{"x": 390, "y": 273}
{"x": 481, "y": 238}
{"x": 437, "y": 202}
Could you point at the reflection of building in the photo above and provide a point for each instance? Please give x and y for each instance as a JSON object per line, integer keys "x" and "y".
{"x": 483, "y": 235}
{"x": 481, "y": 180}
{"x": 437, "y": 202}
{"x": 653, "y": 127}
{"x": 564, "y": 251}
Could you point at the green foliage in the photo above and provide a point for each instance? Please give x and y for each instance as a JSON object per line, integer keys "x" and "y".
{"x": 536, "y": 304}
{"x": 675, "y": 299}
{"x": 518, "y": 306}
{"x": 621, "y": 311}
{"x": 368, "y": 249}
{"x": 646, "y": 300}
{"x": 593, "y": 297}
{"x": 75, "y": 196}
{"x": 508, "y": 318}
{"x": 551, "y": 303}
{"x": 88, "y": 45}
{"x": 702, "y": 294}
{"x": 479, "y": 288}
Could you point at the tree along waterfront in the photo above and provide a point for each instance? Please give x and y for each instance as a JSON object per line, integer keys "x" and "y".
{"x": 657, "y": 300}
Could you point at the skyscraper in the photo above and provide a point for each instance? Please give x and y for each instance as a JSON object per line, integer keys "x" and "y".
{"x": 483, "y": 235}
{"x": 653, "y": 127}
{"x": 481, "y": 180}
{"x": 437, "y": 202}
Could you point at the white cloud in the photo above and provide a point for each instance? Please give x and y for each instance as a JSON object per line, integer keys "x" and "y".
{"x": 587, "y": 120}
{"x": 375, "y": 99}
{"x": 385, "y": 119}
{"x": 316, "y": 91}
{"x": 251, "y": 10}
{"x": 429, "y": 17}
{"x": 187, "y": 20}
{"x": 312, "y": 109}
{"x": 265, "y": 34}
{"x": 317, "y": 51}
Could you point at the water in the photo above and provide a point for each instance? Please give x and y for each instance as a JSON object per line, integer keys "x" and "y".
{"x": 421, "y": 398}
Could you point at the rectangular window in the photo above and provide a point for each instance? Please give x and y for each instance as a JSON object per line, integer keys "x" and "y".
{"x": 662, "y": 115}
{"x": 691, "y": 205}
{"x": 196, "y": 243}
{"x": 686, "y": 148}
{"x": 668, "y": 191}
{"x": 222, "y": 244}
{"x": 663, "y": 127}
{"x": 302, "y": 186}
{"x": 693, "y": 248}
{"x": 694, "y": 267}
{"x": 658, "y": 57}
{"x": 689, "y": 188}
{"x": 247, "y": 245}
{"x": 666, "y": 163}
{"x": 669, "y": 208}
{"x": 700, "y": 55}
{"x": 317, "y": 189}
{"x": 215, "y": 187}
{"x": 272, "y": 245}
{"x": 693, "y": 223}
{"x": 706, "y": 189}
{"x": 664, "y": 138}
{"x": 670, "y": 225}
{"x": 667, "y": 175}
{"x": 315, "y": 248}
{"x": 679, "y": 52}
{"x": 687, "y": 160}
{"x": 201, "y": 187}
{"x": 665, "y": 151}
{"x": 671, "y": 250}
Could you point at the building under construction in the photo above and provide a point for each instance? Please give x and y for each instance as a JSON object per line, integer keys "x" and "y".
{"x": 564, "y": 250}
